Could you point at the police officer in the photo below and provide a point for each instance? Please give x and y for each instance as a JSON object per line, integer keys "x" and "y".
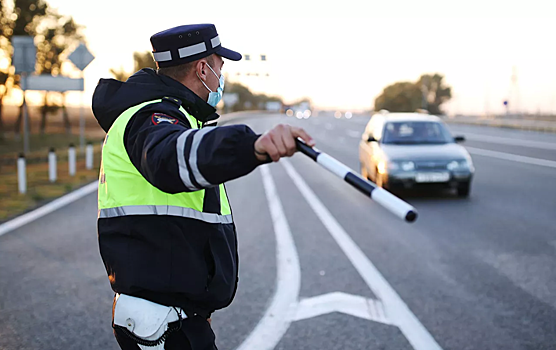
{"x": 166, "y": 233}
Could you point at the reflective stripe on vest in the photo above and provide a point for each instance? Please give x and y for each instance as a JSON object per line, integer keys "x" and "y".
{"x": 165, "y": 210}
{"x": 124, "y": 191}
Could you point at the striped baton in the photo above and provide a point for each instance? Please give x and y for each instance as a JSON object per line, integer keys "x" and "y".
{"x": 379, "y": 195}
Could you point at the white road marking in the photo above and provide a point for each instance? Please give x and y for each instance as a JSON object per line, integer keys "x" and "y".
{"x": 512, "y": 157}
{"x": 353, "y": 305}
{"x": 398, "y": 312}
{"x": 279, "y": 315}
{"x": 328, "y": 126}
{"x": 353, "y": 133}
{"x": 47, "y": 208}
{"x": 509, "y": 141}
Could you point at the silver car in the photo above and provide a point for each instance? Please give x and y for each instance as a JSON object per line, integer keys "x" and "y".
{"x": 409, "y": 150}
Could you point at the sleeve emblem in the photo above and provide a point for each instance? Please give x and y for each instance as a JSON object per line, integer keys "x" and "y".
{"x": 160, "y": 118}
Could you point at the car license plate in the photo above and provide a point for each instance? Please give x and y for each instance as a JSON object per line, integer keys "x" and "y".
{"x": 432, "y": 177}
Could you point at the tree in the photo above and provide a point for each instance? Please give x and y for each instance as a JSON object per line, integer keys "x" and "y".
{"x": 429, "y": 93}
{"x": 17, "y": 17}
{"x": 140, "y": 60}
{"x": 246, "y": 99}
{"x": 143, "y": 60}
{"x": 434, "y": 91}
{"x": 399, "y": 97}
{"x": 53, "y": 34}
{"x": 58, "y": 33}
{"x": 120, "y": 74}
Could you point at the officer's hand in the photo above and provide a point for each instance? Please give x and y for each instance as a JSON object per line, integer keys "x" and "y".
{"x": 280, "y": 142}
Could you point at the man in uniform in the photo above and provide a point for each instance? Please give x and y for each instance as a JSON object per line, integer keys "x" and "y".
{"x": 166, "y": 234}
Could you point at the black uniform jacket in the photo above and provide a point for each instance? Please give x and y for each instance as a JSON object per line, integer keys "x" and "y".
{"x": 172, "y": 260}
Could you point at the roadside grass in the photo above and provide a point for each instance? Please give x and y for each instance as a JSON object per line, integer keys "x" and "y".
{"x": 39, "y": 189}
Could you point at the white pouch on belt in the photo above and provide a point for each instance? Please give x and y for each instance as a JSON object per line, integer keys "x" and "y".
{"x": 146, "y": 321}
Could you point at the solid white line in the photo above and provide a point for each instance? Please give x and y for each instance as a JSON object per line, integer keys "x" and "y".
{"x": 508, "y": 141}
{"x": 512, "y": 157}
{"x": 279, "y": 315}
{"x": 398, "y": 312}
{"x": 48, "y": 208}
{"x": 354, "y": 134}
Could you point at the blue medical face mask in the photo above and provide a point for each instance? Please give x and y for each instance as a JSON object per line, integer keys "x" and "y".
{"x": 214, "y": 96}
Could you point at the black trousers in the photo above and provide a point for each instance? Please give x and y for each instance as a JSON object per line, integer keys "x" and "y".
{"x": 195, "y": 334}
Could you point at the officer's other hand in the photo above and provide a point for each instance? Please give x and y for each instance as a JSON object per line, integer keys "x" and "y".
{"x": 280, "y": 142}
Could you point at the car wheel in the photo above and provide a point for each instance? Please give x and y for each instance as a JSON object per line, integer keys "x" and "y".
{"x": 364, "y": 172}
{"x": 463, "y": 189}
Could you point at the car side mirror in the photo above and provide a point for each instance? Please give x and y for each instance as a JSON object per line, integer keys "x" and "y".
{"x": 371, "y": 139}
{"x": 459, "y": 138}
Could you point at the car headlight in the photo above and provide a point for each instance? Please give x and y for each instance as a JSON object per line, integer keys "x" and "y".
{"x": 381, "y": 167}
{"x": 458, "y": 165}
{"x": 407, "y": 166}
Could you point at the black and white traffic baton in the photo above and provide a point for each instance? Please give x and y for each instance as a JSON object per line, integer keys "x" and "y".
{"x": 379, "y": 195}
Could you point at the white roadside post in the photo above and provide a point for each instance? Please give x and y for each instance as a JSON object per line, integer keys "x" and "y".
{"x": 71, "y": 160}
{"x": 89, "y": 156}
{"x": 52, "y": 166}
{"x": 21, "y": 174}
{"x": 81, "y": 57}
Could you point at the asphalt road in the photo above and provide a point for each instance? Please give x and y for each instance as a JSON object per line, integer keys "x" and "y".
{"x": 476, "y": 273}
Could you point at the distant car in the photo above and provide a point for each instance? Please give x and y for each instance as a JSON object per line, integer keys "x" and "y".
{"x": 408, "y": 150}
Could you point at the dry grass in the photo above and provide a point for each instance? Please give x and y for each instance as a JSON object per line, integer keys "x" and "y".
{"x": 39, "y": 188}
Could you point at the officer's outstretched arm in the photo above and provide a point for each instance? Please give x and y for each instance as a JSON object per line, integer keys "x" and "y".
{"x": 175, "y": 158}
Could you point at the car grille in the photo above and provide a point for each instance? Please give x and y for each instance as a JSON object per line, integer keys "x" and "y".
{"x": 431, "y": 165}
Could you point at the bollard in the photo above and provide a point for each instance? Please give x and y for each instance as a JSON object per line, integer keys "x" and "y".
{"x": 89, "y": 156}
{"x": 52, "y": 166}
{"x": 21, "y": 174}
{"x": 71, "y": 160}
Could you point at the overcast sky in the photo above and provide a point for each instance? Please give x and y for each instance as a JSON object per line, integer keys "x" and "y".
{"x": 343, "y": 55}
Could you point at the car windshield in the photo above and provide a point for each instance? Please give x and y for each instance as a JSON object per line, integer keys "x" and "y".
{"x": 416, "y": 133}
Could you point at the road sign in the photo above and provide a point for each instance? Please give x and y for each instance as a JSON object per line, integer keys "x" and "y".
{"x": 50, "y": 83}
{"x": 25, "y": 54}
{"x": 81, "y": 57}
{"x": 230, "y": 99}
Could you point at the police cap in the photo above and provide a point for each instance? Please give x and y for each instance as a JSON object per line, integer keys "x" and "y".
{"x": 188, "y": 43}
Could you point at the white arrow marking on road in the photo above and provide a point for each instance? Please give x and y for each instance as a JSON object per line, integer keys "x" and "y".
{"x": 398, "y": 311}
{"x": 354, "y": 305}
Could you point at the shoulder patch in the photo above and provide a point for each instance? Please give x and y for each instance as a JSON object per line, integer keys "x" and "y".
{"x": 159, "y": 118}
{"x": 173, "y": 100}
